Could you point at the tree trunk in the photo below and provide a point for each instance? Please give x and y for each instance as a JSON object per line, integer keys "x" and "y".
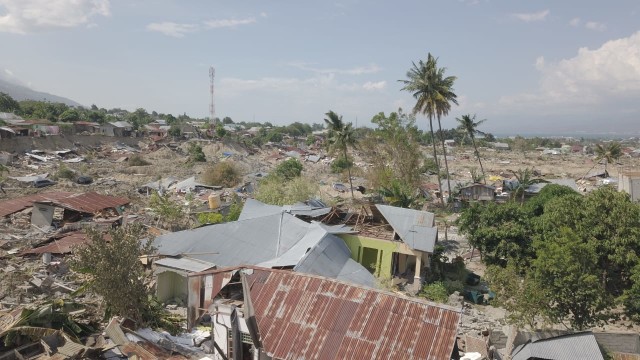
{"x": 349, "y": 172}
{"x": 444, "y": 152}
{"x": 473, "y": 140}
{"x": 435, "y": 157}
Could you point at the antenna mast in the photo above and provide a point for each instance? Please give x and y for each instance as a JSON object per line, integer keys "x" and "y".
{"x": 212, "y": 106}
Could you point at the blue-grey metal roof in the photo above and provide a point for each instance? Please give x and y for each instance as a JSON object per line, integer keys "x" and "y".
{"x": 184, "y": 263}
{"x": 163, "y": 183}
{"x": 415, "y": 227}
{"x": 250, "y": 241}
{"x": 253, "y": 208}
{"x": 565, "y": 347}
{"x": 332, "y": 258}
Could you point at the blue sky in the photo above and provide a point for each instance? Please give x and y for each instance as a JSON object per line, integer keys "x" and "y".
{"x": 526, "y": 66}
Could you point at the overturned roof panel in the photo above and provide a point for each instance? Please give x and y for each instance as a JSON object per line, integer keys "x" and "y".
{"x": 331, "y": 258}
{"x": 415, "y": 227}
{"x": 254, "y": 208}
{"x": 302, "y": 316}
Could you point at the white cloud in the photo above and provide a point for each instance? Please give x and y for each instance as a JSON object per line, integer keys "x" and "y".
{"x": 532, "y": 17}
{"x": 263, "y": 14}
{"x": 172, "y": 29}
{"x": 594, "y": 25}
{"x": 374, "y": 86}
{"x": 228, "y": 23}
{"x": 596, "y": 78}
{"x": 575, "y": 22}
{"x": 25, "y": 16}
{"x": 359, "y": 70}
{"x": 539, "y": 63}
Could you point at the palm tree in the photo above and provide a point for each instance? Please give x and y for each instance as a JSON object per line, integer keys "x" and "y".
{"x": 609, "y": 154}
{"x": 341, "y": 136}
{"x": 434, "y": 94}
{"x": 470, "y": 127}
{"x": 525, "y": 179}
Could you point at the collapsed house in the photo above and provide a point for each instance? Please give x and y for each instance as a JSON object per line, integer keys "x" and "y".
{"x": 260, "y": 313}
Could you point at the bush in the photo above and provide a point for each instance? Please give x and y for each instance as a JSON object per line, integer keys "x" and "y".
{"x": 195, "y": 153}
{"x": 289, "y": 169}
{"x": 137, "y": 160}
{"x": 340, "y": 164}
{"x": 224, "y": 173}
{"x": 64, "y": 173}
{"x": 210, "y": 218}
{"x": 436, "y": 291}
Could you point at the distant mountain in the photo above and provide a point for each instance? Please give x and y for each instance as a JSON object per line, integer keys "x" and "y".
{"x": 21, "y": 92}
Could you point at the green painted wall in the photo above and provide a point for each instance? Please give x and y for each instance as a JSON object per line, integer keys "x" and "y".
{"x": 385, "y": 250}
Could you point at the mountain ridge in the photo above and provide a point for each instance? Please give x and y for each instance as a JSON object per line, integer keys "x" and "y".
{"x": 21, "y": 92}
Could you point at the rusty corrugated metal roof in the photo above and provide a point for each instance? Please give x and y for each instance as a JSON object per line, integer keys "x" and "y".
{"x": 308, "y": 317}
{"x": 60, "y": 246}
{"x": 90, "y": 202}
{"x": 9, "y": 207}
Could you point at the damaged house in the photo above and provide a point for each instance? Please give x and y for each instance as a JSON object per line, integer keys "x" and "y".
{"x": 273, "y": 240}
{"x": 260, "y": 313}
{"x": 391, "y": 242}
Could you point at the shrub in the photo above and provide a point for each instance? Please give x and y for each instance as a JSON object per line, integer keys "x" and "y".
{"x": 195, "y": 153}
{"x": 435, "y": 292}
{"x": 137, "y": 160}
{"x": 340, "y": 164}
{"x": 234, "y": 211}
{"x": 289, "y": 169}
{"x": 224, "y": 173}
{"x": 210, "y": 218}
{"x": 64, "y": 173}
{"x": 277, "y": 191}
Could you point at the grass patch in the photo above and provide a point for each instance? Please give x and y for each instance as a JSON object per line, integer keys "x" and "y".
{"x": 138, "y": 160}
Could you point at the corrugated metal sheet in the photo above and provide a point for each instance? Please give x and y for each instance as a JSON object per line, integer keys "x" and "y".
{"x": 63, "y": 245}
{"x": 566, "y": 347}
{"x": 191, "y": 265}
{"x": 415, "y": 227}
{"x": 90, "y": 202}
{"x": 9, "y": 207}
{"x": 306, "y": 317}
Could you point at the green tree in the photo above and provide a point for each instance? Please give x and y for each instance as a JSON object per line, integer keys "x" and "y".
{"x": 70, "y": 115}
{"x": 342, "y": 137}
{"x": 469, "y": 126}
{"x": 567, "y": 271}
{"x": 288, "y": 169}
{"x": 175, "y": 131}
{"x": 393, "y": 150}
{"x": 227, "y": 120}
{"x": 114, "y": 268}
{"x": 7, "y": 103}
{"x": 434, "y": 94}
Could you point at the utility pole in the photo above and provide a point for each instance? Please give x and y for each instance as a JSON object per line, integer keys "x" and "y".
{"x": 212, "y": 106}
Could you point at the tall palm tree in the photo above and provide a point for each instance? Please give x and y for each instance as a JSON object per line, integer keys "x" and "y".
{"x": 434, "y": 94}
{"x": 341, "y": 136}
{"x": 610, "y": 154}
{"x": 470, "y": 128}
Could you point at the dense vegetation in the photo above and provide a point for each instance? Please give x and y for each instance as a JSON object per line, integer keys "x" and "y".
{"x": 561, "y": 257}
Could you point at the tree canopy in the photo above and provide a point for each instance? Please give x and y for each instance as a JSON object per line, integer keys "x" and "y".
{"x": 574, "y": 257}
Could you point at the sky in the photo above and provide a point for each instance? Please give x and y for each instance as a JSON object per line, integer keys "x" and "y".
{"x": 528, "y": 67}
